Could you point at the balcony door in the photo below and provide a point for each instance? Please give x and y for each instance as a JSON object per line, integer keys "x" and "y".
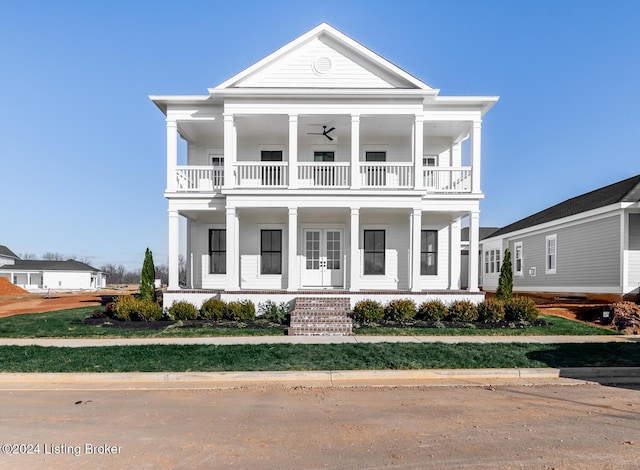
{"x": 271, "y": 175}
{"x": 323, "y": 175}
{"x": 322, "y": 266}
{"x": 376, "y": 174}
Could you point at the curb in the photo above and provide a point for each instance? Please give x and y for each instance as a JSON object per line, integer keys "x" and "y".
{"x": 327, "y": 379}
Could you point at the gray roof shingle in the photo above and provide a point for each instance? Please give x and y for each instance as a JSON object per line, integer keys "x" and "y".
{"x": 7, "y": 253}
{"x": 623, "y": 191}
{"x": 46, "y": 265}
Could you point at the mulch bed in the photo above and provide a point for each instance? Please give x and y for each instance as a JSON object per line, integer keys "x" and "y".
{"x": 511, "y": 325}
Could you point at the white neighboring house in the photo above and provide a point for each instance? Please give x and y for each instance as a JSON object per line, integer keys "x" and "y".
{"x": 588, "y": 245}
{"x": 323, "y": 169}
{"x": 41, "y": 275}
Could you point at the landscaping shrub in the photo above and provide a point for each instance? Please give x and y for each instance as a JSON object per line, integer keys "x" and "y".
{"x": 400, "y": 310}
{"x": 148, "y": 310}
{"x": 273, "y": 312}
{"x": 213, "y": 309}
{"x": 183, "y": 311}
{"x": 367, "y": 312}
{"x": 240, "y": 311}
{"x": 130, "y": 308}
{"x": 491, "y": 311}
{"x": 147, "y": 278}
{"x": 433, "y": 310}
{"x": 124, "y": 307}
{"x": 505, "y": 281}
{"x": 463, "y": 311}
{"x": 520, "y": 309}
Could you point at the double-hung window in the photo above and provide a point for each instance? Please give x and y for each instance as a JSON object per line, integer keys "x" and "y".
{"x": 270, "y": 251}
{"x": 551, "y": 255}
{"x": 374, "y": 244}
{"x": 217, "y": 251}
{"x": 518, "y": 265}
{"x": 429, "y": 252}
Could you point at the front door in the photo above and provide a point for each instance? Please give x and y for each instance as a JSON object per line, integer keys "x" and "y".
{"x": 323, "y": 264}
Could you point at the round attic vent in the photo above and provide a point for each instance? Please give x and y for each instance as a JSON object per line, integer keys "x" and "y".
{"x": 321, "y": 65}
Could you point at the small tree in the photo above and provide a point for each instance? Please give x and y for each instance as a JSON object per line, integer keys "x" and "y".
{"x": 147, "y": 278}
{"x": 505, "y": 282}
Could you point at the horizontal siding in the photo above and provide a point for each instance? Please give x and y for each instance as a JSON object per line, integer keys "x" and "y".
{"x": 588, "y": 254}
{"x": 295, "y": 70}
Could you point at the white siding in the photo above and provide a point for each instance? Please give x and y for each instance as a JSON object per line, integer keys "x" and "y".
{"x": 634, "y": 250}
{"x": 297, "y": 70}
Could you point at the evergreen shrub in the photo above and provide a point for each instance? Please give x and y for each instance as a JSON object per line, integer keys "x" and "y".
{"x": 273, "y": 312}
{"x": 432, "y": 310}
{"x": 491, "y": 311}
{"x": 400, "y": 310}
{"x": 520, "y": 309}
{"x": 367, "y": 312}
{"x": 463, "y": 311}
{"x": 183, "y": 311}
{"x": 240, "y": 311}
{"x": 213, "y": 309}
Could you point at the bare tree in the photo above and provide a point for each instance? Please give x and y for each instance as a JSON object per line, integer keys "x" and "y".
{"x": 49, "y": 256}
{"x": 27, "y": 256}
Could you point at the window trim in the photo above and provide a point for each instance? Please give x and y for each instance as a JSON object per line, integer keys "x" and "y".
{"x": 211, "y": 251}
{"x": 548, "y": 257}
{"x": 364, "y": 252}
{"x": 517, "y": 272}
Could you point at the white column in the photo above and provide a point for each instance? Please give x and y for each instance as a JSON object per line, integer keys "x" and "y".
{"x": 455, "y": 255}
{"x": 172, "y": 153}
{"x": 355, "y": 151}
{"x": 174, "y": 250}
{"x": 232, "y": 249}
{"x": 474, "y": 246}
{"x": 292, "y": 271}
{"x": 476, "y": 141}
{"x": 416, "y": 238}
{"x": 229, "y": 151}
{"x": 418, "y": 150}
{"x": 354, "y": 258}
{"x": 293, "y": 151}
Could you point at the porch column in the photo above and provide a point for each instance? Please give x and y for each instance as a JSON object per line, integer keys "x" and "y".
{"x": 292, "y": 271}
{"x": 172, "y": 153}
{"x": 174, "y": 250}
{"x": 474, "y": 246}
{"x": 418, "y": 150}
{"x": 455, "y": 254}
{"x": 476, "y": 141}
{"x": 354, "y": 258}
{"x": 293, "y": 151}
{"x": 416, "y": 238}
{"x": 355, "y": 151}
{"x": 229, "y": 150}
{"x": 232, "y": 249}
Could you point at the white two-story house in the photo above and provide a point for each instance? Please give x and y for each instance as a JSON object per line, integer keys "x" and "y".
{"x": 323, "y": 169}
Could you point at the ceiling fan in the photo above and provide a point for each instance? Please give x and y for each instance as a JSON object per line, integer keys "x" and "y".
{"x": 325, "y": 132}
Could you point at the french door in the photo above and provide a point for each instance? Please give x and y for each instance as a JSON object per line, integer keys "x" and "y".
{"x": 323, "y": 264}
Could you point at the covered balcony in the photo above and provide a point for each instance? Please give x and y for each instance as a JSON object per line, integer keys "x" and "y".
{"x": 281, "y": 152}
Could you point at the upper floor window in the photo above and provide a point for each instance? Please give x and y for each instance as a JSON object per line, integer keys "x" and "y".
{"x": 376, "y": 174}
{"x": 320, "y": 156}
{"x": 517, "y": 255}
{"x": 429, "y": 252}
{"x": 551, "y": 255}
{"x": 271, "y": 155}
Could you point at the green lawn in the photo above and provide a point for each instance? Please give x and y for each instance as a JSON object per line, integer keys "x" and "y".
{"x": 282, "y": 357}
{"x": 68, "y": 324}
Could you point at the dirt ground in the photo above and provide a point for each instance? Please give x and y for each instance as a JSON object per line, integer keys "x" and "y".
{"x": 38, "y": 303}
{"x": 493, "y": 427}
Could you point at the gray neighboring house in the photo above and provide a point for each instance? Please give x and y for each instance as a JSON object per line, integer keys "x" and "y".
{"x": 40, "y": 275}
{"x": 587, "y": 246}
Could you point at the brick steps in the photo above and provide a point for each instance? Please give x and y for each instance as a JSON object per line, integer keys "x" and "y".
{"x": 321, "y": 316}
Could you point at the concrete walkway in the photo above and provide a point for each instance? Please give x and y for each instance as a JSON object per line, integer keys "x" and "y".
{"x": 226, "y": 340}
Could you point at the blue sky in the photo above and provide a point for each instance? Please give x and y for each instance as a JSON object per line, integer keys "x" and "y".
{"x": 82, "y": 156}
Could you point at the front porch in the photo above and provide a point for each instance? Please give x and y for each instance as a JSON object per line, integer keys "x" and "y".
{"x": 198, "y": 296}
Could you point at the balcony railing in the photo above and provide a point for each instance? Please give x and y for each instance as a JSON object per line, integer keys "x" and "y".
{"x": 199, "y": 178}
{"x": 327, "y": 175}
{"x": 262, "y": 174}
{"x": 447, "y": 180}
{"x": 386, "y": 175}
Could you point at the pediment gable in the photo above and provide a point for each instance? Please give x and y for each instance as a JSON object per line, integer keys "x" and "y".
{"x": 324, "y": 58}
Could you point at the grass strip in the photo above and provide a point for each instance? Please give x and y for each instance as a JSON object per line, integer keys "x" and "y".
{"x": 68, "y": 324}
{"x": 283, "y": 357}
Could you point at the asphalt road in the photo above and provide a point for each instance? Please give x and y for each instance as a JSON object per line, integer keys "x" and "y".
{"x": 552, "y": 426}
